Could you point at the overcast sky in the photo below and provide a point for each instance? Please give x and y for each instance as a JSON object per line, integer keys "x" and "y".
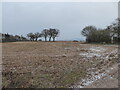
{"x": 69, "y": 17}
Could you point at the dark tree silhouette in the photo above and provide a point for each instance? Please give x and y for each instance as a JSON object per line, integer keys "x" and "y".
{"x": 88, "y": 31}
{"x": 50, "y": 33}
{"x": 96, "y": 35}
{"x": 114, "y": 28}
{"x": 31, "y": 36}
{"x": 55, "y": 34}
{"x": 12, "y": 38}
{"x": 37, "y": 35}
{"x": 45, "y": 34}
{"x": 7, "y": 37}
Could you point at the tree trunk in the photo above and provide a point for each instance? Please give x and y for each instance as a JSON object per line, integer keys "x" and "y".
{"x": 36, "y": 39}
{"x": 53, "y": 39}
{"x": 50, "y": 39}
{"x": 32, "y": 39}
{"x": 45, "y": 39}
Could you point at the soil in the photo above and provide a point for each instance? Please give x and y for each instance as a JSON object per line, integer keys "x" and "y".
{"x": 59, "y": 65}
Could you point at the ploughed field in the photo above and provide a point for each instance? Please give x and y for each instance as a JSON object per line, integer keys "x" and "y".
{"x": 59, "y": 64}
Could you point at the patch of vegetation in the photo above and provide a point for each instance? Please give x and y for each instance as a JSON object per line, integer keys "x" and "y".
{"x": 71, "y": 78}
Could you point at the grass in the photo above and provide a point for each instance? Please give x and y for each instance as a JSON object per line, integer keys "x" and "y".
{"x": 71, "y": 78}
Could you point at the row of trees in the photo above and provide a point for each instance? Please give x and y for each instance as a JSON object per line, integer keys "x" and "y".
{"x": 10, "y": 38}
{"x": 46, "y": 33}
{"x": 111, "y": 34}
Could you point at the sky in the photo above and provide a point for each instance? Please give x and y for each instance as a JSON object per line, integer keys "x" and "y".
{"x": 69, "y": 17}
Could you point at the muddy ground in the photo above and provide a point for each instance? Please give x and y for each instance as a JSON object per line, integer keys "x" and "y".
{"x": 59, "y": 64}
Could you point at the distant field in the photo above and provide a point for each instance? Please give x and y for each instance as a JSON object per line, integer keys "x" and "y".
{"x": 58, "y": 64}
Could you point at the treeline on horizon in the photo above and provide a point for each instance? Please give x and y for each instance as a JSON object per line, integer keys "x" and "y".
{"x": 50, "y": 34}
{"x": 111, "y": 34}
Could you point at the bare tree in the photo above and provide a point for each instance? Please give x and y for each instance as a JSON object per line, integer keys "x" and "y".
{"x": 55, "y": 34}
{"x": 31, "y": 36}
{"x": 37, "y": 35}
{"x": 45, "y": 34}
{"x": 50, "y": 33}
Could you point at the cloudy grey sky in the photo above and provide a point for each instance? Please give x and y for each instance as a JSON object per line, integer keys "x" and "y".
{"x": 69, "y": 17}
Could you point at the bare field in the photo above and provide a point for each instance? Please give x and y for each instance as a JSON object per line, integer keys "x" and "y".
{"x": 59, "y": 64}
